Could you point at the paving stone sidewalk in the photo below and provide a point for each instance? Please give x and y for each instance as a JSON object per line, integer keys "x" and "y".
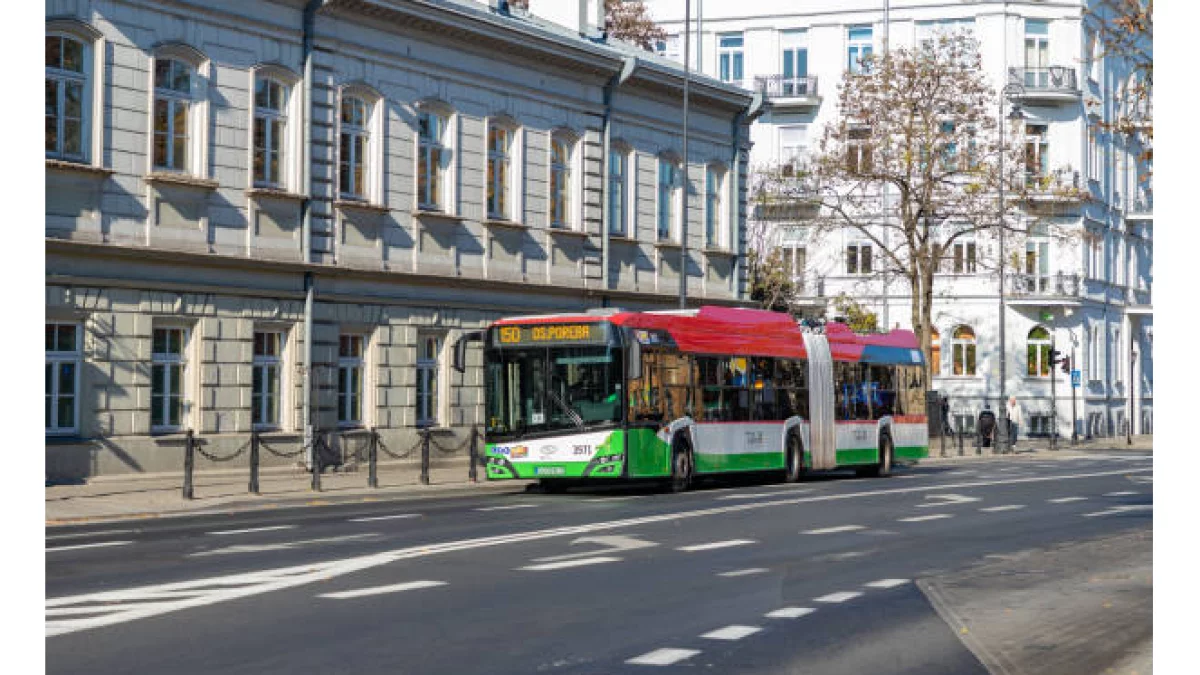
{"x": 114, "y": 498}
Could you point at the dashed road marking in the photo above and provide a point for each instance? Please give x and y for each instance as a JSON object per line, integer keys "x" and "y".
{"x": 283, "y": 545}
{"x": 921, "y": 519}
{"x": 715, "y": 544}
{"x": 101, "y": 544}
{"x": 745, "y": 572}
{"x": 835, "y": 530}
{"x": 1123, "y": 493}
{"x": 886, "y": 583}
{"x": 790, "y": 613}
{"x": 734, "y": 632}
{"x": 248, "y": 530}
{"x": 80, "y": 535}
{"x": 394, "y": 516}
{"x": 946, "y": 500}
{"x": 1064, "y": 500}
{"x": 578, "y": 562}
{"x": 841, "y": 596}
{"x": 506, "y": 507}
{"x": 1119, "y": 509}
{"x": 663, "y": 657}
{"x": 380, "y": 590}
{"x": 1006, "y": 507}
{"x": 757, "y": 495}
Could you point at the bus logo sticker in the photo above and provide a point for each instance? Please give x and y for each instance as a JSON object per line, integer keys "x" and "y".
{"x": 549, "y": 450}
{"x": 754, "y": 438}
{"x": 520, "y": 452}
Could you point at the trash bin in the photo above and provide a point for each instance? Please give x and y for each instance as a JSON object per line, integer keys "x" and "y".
{"x": 986, "y": 427}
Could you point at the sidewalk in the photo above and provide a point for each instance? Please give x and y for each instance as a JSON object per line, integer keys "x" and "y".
{"x": 156, "y": 496}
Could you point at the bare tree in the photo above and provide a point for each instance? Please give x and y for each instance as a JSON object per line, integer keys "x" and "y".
{"x": 1126, "y": 31}
{"x": 629, "y": 20}
{"x": 913, "y": 166}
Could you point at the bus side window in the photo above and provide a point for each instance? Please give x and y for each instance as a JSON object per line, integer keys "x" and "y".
{"x": 883, "y": 391}
{"x": 645, "y": 395}
{"x": 709, "y": 383}
{"x": 764, "y": 394}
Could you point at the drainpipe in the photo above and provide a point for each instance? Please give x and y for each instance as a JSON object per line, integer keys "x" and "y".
{"x": 605, "y": 206}
{"x": 743, "y": 117}
{"x": 310, "y": 16}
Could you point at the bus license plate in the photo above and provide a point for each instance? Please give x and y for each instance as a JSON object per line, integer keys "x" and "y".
{"x": 548, "y": 471}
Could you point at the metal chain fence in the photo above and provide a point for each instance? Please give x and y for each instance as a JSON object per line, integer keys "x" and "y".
{"x": 218, "y": 458}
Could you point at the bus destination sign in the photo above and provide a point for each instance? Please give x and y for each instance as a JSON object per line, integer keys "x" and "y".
{"x": 552, "y": 333}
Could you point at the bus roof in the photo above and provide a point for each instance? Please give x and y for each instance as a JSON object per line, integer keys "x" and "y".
{"x": 748, "y": 332}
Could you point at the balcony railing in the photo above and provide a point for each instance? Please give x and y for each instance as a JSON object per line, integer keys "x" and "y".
{"x": 1054, "y": 78}
{"x": 1044, "y": 285}
{"x": 780, "y": 86}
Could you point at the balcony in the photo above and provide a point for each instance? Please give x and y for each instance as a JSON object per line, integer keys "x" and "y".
{"x": 1056, "y": 192}
{"x": 1140, "y": 208}
{"x": 1044, "y": 289}
{"x": 1055, "y": 85}
{"x": 786, "y": 93}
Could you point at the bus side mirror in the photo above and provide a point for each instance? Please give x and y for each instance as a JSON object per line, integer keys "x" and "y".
{"x": 460, "y": 348}
{"x": 634, "y": 367}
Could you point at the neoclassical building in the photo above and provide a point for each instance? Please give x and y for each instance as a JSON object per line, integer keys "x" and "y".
{"x": 1089, "y": 291}
{"x": 278, "y": 216}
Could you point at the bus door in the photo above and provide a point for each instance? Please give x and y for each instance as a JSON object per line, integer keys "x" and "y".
{"x": 822, "y": 436}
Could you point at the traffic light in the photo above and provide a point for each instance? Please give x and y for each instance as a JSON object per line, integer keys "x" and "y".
{"x": 1066, "y": 365}
{"x": 1056, "y": 357}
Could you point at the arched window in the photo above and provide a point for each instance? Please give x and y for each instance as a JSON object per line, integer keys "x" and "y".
{"x": 435, "y": 152}
{"x": 562, "y": 160}
{"x": 962, "y": 345}
{"x": 271, "y": 120}
{"x": 669, "y": 182}
{"x": 500, "y": 171}
{"x": 1037, "y": 349}
{"x": 935, "y": 351}
{"x": 353, "y": 146}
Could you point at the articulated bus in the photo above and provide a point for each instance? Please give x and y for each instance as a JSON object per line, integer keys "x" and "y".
{"x": 677, "y": 395}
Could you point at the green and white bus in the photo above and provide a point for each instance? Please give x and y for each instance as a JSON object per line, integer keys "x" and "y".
{"x": 676, "y": 395}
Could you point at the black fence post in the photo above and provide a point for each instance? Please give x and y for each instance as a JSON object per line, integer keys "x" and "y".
{"x": 318, "y": 462}
{"x": 373, "y": 460}
{"x": 189, "y": 464}
{"x": 253, "y": 462}
{"x": 424, "y": 456}
{"x": 960, "y": 442}
{"x": 472, "y": 474}
{"x": 942, "y": 437}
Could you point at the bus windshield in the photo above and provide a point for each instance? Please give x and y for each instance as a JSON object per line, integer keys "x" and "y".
{"x": 539, "y": 389}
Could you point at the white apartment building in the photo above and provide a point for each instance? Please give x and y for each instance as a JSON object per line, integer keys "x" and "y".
{"x": 1090, "y": 293}
{"x": 279, "y": 215}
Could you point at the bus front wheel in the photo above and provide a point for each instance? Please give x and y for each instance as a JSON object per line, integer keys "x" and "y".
{"x": 681, "y": 467}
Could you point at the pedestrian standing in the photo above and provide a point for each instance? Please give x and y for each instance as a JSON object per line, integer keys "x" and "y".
{"x": 1014, "y": 422}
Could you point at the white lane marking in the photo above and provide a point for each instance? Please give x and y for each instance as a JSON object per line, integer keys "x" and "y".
{"x": 613, "y": 543}
{"x": 578, "y": 562}
{"x": 886, "y": 583}
{"x": 835, "y": 530}
{"x": 947, "y": 500}
{"x": 1142, "y": 479}
{"x": 1119, "y": 509}
{"x": 734, "y": 632}
{"x": 1006, "y": 507}
{"x": 52, "y": 549}
{"x": 838, "y": 597}
{"x": 1123, "y": 493}
{"x": 663, "y": 657}
{"x": 745, "y": 572}
{"x": 80, "y": 535}
{"x": 266, "y": 581}
{"x": 394, "y": 516}
{"x": 282, "y": 546}
{"x": 757, "y": 495}
{"x": 269, "y": 528}
{"x": 505, "y": 508}
{"x": 905, "y": 476}
{"x": 921, "y": 519}
{"x": 790, "y": 613}
{"x": 1064, "y": 500}
{"x": 379, "y": 590}
{"x": 716, "y": 544}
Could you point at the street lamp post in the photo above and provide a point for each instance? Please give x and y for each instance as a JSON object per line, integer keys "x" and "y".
{"x": 683, "y": 209}
{"x": 1010, "y": 90}
{"x": 1132, "y": 358}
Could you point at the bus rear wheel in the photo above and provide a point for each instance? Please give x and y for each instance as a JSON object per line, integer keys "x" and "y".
{"x": 681, "y": 467}
{"x": 794, "y": 470}
{"x": 883, "y": 467}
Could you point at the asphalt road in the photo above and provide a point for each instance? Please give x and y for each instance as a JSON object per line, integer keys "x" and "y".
{"x": 753, "y": 577}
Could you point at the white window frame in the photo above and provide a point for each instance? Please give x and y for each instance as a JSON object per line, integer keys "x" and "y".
{"x": 511, "y": 189}
{"x": 1039, "y": 343}
{"x": 196, "y": 143}
{"x": 1094, "y": 353}
{"x": 1117, "y": 365}
{"x": 716, "y": 230}
{"x": 964, "y": 256}
{"x": 858, "y": 247}
{"x": 619, "y": 183}
{"x": 346, "y": 365}
{"x": 1093, "y": 153}
{"x": 667, "y": 198}
{"x": 731, "y": 57}
{"x": 168, "y": 361}
{"x": 92, "y": 102}
{"x": 1037, "y": 54}
{"x": 929, "y": 31}
{"x": 1038, "y": 257}
{"x": 793, "y": 154}
{"x": 371, "y": 191}
{"x": 55, "y": 360}
{"x": 792, "y": 43}
{"x": 568, "y": 172}
{"x": 429, "y": 403}
{"x": 858, "y": 47}
{"x": 264, "y": 363}
{"x": 958, "y": 348}
{"x": 289, "y": 147}
{"x": 445, "y": 198}
{"x": 795, "y": 261}
{"x": 1037, "y": 139}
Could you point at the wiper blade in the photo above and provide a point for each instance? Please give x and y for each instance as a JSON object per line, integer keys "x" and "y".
{"x": 575, "y": 418}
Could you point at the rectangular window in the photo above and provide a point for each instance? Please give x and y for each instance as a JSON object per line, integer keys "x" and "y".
{"x": 1037, "y": 265}
{"x": 793, "y": 147}
{"x": 1037, "y": 53}
{"x": 560, "y": 183}
{"x": 266, "y": 374}
{"x": 858, "y": 47}
{"x": 618, "y": 199}
{"x": 172, "y": 103}
{"x": 1093, "y": 154}
{"x": 432, "y": 156}
{"x": 353, "y": 148}
{"x": 713, "y": 218}
{"x": 499, "y": 166}
{"x": 795, "y": 63}
{"x": 858, "y": 151}
{"x": 429, "y": 350}
{"x": 730, "y": 57}
{"x": 63, "y": 357}
{"x": 66, "y": 107}
{"x": 668, "y": 202}
{"x": 350, "y": 379}
{"x": 858, "y": 259}
{"x": 964, "y": 257}
{"x": 949, "y": 146}
{"x": 1037, "y": 154}
{"x": 668, "y": 47}
{"x": 270, "y": 131}
{"x": 168, "y": 402}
